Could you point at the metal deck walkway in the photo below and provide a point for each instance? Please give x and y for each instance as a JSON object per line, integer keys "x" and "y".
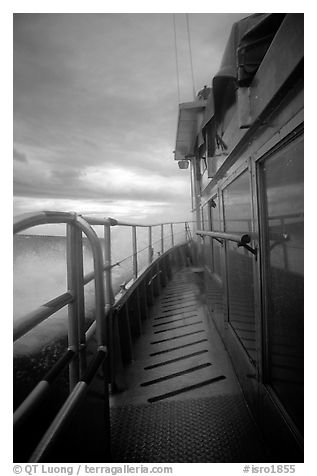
{"x": 182, "y": 401}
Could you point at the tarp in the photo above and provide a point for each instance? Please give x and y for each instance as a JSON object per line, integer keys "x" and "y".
{"x": 228, "y": 67}
{"x": 248, "y": 42}
{"x": 208, "y": 116}
{"x": 209, "y": 111}
{"x": 245, "y": 49}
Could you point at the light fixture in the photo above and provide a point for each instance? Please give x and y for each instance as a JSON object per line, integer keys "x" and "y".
{"x": 183, "y": 164}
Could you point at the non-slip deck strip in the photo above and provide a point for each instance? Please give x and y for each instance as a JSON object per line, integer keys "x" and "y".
{"x": 175, "y": 320}
{"x": 178, "y": 327}
{"x": 178, "y": 347}
{"x": 183, "y": 290}
{"x": 177, "y": 359}
{"x": 177, "y": 297}
{"x": 177, "y": 337}
{"x": 185, "y": 389}
{"x": 176, "y": 308}
{"x": 176, "y": 374}
{"x": 175, "y": 302}
{"x": 178, "y": 293}
{"x": 175, "y": 314}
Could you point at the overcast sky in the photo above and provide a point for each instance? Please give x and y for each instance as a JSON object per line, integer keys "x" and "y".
{"x": 95, "y": 109}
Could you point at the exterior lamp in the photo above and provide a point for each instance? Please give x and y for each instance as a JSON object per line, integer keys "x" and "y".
{"x": 183, "y": 164}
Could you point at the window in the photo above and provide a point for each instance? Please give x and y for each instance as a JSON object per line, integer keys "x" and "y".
{"x": 215, "y": 226}
{"x": 208, "y": 254}
{"x": 282, "y": 181}
{"x": 238, "y": 219}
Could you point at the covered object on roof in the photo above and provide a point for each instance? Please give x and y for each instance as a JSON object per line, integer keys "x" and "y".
{"x": 248, "y": 43}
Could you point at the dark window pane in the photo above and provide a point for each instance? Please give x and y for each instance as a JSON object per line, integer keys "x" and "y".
{"x": 283, "y": 176}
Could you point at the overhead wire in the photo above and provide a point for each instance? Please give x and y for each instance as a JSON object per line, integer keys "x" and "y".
{"x": 190, "y": 56}
{"x": 176, "y": 58}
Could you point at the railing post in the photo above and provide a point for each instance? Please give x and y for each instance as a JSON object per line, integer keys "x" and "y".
{"x": 108, "y": 302}
{"x": 150, "y": 245}
{"x": 108, "y": 274}
{"x": 80, "y": 298}
{"x": 162, "y": 238}
{"x": 73, "y": 307}
{"x": 172, "y": 234}
{"x": 134, "y": 251}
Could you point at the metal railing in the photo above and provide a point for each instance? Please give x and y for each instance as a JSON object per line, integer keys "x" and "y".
{"x": 74, "y": 357}
{"x": 109, "y": 222}
{"x": 76, "y": 225}
{"x": 76, "y": 281}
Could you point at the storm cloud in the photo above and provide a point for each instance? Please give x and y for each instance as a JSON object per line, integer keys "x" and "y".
{"x": 95, "y": 107}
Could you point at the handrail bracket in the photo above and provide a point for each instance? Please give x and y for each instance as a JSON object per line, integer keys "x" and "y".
{"x": 254, "y": 251}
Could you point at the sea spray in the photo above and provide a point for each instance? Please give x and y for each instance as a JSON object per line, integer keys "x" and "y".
{"x": 40, "y": 274}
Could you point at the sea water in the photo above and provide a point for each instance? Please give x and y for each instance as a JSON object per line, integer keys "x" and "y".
{"x": 40, "y": 274}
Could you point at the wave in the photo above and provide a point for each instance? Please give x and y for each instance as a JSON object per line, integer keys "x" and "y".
{"x": 40, "y": 274}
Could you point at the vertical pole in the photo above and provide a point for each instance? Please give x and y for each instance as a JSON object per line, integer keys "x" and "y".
{"x": 144, "y": 309}
{"x": 134, "y": 251}
{"x": 80, "y": 298}
{"x": 127, "y": 347}
{"x": 157, "y": 280}
{"x": 72, "y": 283}
{"x": 138, "y": 309}
{"x": 150, "y": 245}
{"x": 284, "y": 247}
{"x": 162, "y": 238}
{"x": 108, "y": 280}
{"x": 108, "y": 303}
{"x": 172, "y": 234}
{"x": 197, "y": 193}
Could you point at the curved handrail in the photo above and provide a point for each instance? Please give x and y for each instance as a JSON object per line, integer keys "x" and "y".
{"x": 28, "y": 220}
{"x": 41, "y": 218}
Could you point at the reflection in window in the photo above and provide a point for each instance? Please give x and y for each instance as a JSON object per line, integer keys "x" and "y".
{"x": 283, "y": 180}
{"x": 237, "y": 198}
{"x": 215, "y": 225}
{"x": 238, "y": 219}
{"x": 207, "y": 248}
{"x": 213, "y": 256}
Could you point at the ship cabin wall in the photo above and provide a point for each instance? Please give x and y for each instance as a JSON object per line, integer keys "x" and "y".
{"x": 251, "y": 182}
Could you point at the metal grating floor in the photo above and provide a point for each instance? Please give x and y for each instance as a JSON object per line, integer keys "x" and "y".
{"x": 182, "y": 402}
{"x": 203, "y": 430}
